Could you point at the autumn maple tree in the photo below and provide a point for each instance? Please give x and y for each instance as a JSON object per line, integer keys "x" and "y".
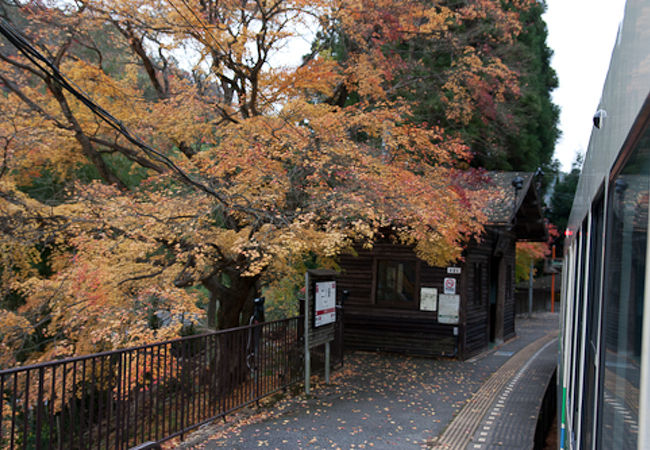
{"x": 246, "y": 168}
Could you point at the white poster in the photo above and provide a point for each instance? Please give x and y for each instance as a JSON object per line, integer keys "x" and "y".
{"x": 448, "y": 308}
{"x": 428, "y": 299}
{"x": 325, "y": 305}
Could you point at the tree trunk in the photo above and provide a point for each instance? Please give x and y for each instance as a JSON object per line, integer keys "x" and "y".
{"x": 235, "y": 301}
{"x": 212, "y": 310}
{"x": 229, "y": 367}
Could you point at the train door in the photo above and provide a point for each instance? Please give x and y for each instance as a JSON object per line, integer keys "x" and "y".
{"x": 592, "y": 326}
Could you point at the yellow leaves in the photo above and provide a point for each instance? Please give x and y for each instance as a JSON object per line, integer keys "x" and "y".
{"x": 436, "y": 20}
{"x": 184, "y": 117}
{"x": 14, "y": 201}
{"x": 119, "y": 95}
{"x": 32, "y": 142}
{"x": 327, "y": 243}
{"x": 319, "y": 76}
{"x": 14, "y": 330}
{"x": 363, "y": 231}
{"x": 89, "y": 304}
{"x": 365, "y": 77}
{"x": 527, "y": 252}
{"x": 296, "y": 175}
{"x": 24, "y": 223}
{"x": 534, "y": 250}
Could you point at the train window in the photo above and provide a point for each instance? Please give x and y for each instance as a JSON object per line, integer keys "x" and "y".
{"x": 623, "y": 300}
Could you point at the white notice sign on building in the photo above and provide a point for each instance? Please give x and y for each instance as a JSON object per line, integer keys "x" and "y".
{"x": 428, "y": 299}
{"x": 325, "y": 304}
{"x": 448, "y": 308}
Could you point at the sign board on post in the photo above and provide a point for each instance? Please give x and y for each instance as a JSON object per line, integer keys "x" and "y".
{"x": 325, "y": 306}
{"x": 320, "y": 316}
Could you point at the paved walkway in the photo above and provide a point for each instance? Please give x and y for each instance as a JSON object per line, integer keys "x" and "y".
{"x": 386, "y": 401}
{"x": 512, "y": 418}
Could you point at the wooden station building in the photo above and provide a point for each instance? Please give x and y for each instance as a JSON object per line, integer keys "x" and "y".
{"x": 399, "y": 303}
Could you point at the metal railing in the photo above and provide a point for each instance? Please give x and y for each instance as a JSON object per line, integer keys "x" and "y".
{"x": 155, "y": 392}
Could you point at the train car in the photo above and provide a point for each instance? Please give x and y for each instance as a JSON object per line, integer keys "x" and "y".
{"x": 604, "y": 372}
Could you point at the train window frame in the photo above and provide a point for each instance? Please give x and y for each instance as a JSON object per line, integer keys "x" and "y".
{"x": 624, "y": 331}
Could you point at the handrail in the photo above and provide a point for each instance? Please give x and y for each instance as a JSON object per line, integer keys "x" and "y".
{"x": 126, "y": 349}
{"x": 153, "y": 392}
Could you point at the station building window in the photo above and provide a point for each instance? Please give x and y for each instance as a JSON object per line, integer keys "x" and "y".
{"x": 396, "y": 283}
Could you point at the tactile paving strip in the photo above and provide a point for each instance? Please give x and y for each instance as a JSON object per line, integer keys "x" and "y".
{"x": 459, "y": 432}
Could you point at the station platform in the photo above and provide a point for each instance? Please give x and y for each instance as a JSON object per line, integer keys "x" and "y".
{"x": 388, "y": 401}
{"x": 504, "y": 412}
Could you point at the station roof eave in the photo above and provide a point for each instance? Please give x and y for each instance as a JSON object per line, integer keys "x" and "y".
{"x": 518, "y": 209}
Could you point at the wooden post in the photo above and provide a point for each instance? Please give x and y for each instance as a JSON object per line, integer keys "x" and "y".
{"x": 553, "y": 283}
{"x": 306, "y": 336}
{"x": 530, "y": 290}
{"x": 327, "y": 362}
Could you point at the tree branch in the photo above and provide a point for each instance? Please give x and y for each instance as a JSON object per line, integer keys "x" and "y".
{"x": 129, "y": 153}
{"x": 10, "y": 85}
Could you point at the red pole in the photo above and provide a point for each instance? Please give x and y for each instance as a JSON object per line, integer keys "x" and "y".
{"x": 553, "y": 285}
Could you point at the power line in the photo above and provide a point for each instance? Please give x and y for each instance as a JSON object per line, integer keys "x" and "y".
{"x": 203, "y": 25}
{"x": 51, "y": 71}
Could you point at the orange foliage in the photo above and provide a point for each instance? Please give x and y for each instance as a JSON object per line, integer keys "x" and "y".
{"x": 295, "y": 171}
{"x": 533, "y": 251}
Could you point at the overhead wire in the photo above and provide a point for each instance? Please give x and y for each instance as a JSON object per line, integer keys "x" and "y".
{"x": 50, "y": 70}
{"x": 189, "y": 23}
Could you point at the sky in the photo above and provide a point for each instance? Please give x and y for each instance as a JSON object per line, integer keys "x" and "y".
{"x": 581, "y": 34}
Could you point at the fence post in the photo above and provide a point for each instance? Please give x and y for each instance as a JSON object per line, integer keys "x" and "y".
{"x": 118, "y": 403}
{"x": 39, "y": 406}
{"x": 306, "y": 336}
{"x": 327, "y": 362}
{"x": 530, "y": 290}
{"x": 105, "y": 403}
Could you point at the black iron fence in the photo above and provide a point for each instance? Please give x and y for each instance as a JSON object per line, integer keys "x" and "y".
{"x": 155, "y": 392}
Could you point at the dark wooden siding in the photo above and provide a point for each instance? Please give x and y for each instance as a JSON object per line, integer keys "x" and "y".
{"x": 509, "y": 306}
{"x": 410, "y": 332}
{"x": 477, "y": 306}
{"x": 356, "y": 277}
{"x": 370, "y": 327}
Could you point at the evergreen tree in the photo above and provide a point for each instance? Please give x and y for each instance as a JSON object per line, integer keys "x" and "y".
{"x": 531, "y": 142}
{"x": 562, "y": 200}
{"x": 511, "y": 129}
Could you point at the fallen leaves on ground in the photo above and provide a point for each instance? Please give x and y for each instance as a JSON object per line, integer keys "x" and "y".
{"x": 374, "y": 400}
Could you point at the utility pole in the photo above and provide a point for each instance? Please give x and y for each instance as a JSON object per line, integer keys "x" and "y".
{"x": 553, "y": 282}
{"x": 530, "y": 290}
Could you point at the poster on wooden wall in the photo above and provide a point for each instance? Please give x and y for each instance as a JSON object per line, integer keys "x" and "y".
{"x": 448, "y": 308}
{"x": 428, "y": 299}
